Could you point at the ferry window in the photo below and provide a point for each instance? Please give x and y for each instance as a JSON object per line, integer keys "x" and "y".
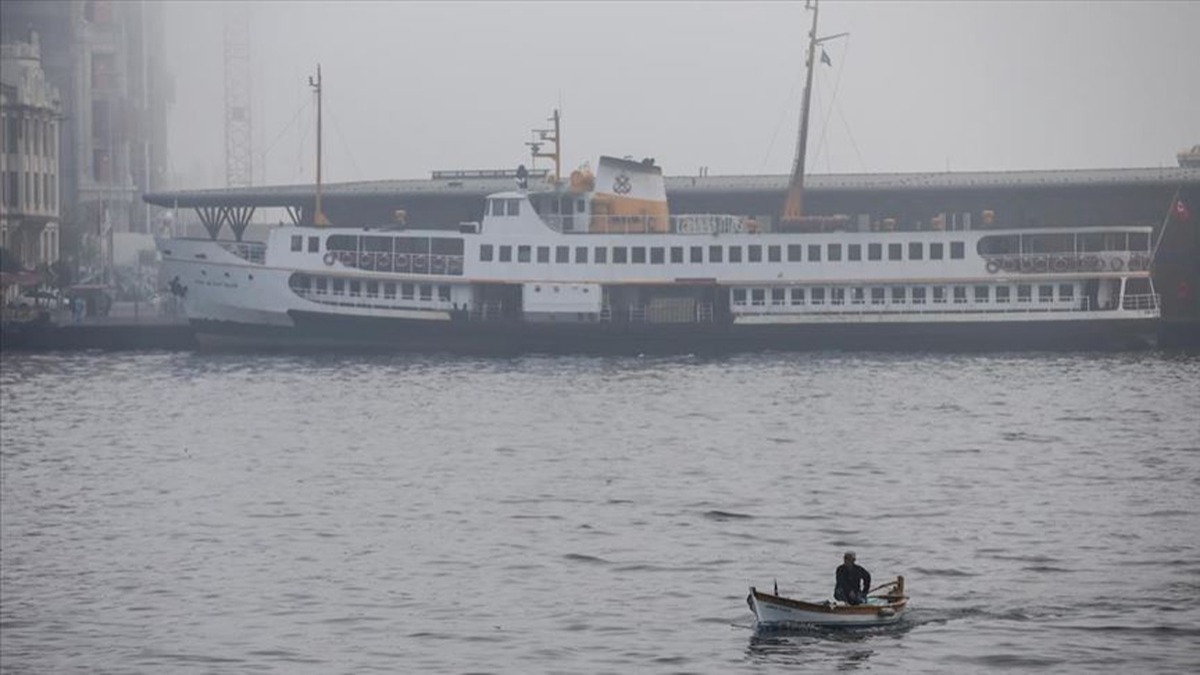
{"x": 714, "y": 254}
{"x": 696, "y": 254}
{"x": 543, "y": 254}
{"x": 795, "y": 253}
{"x": 1065, "y": 291}
{"x": 814, "y": 253}
{"x": 380, "y": 244}
{"x": 322, "y": 286}
{"x": 657, "y": 255}
{"x": 856, "y": 295}
{"x": 600, "y": 255}
{"x": 874, "y": 251}
{"x": 898, "y": 294}
{"x": 638, "y": 254}
{"x": 735, "y": 254}
{"x": 373, "y": 289}
{"x": 960, "y": 295}
{"x": 620, "y": 255}
{"x": 918, "y": 295}
{"x": 916, "y": 250}
{"x": 297, "y": 242}
{"x": 837, "y": 296}
{"x": 355, "y": 289}
{"x": 342, "y": 242}
{"x": 426, "y": 292}
{"x": 935, "y": 250}
{"x": 854, "y": 252}
{"x": 581, "y": 254}
{"x": 439, "y": 246}
{"x": 956, "y": 250}
{"x": 406, "y": 291}
{"x": 778, "y": 296}
{"x": 895, "y": 251}
{"x": 444, "y": 292}
{"x": 514, "y": 207}
{"x": 774, "y": 254}
{"x": 1002, "y": 294}
{"x": 834, "y": 252}
{"x": 981, "y": 294}
{"x": 562, "y": 254}
{"x": 524, "y": 254}
{"x": 505, "y": 253}
{"x": 497, "y": 207}
{"x": 739, "y": 296}
{"x": 339, "y": 286}
{"x": 676, "y": 255}
{"x": 389, "y": 290}
{"x": 1024, "y": 293}
{"x": 939, "y": 295}
{"x": 758, "y": 297}
{"x": 754, "y": 253}
{"x": 485, "y": 252}
{"x": 1046, "y": 293}
{"x": 877, "y": 296}
{"x": 797, "y": 296}
{"x": 817, "y": 296}
{"x": 1139, "y": 241}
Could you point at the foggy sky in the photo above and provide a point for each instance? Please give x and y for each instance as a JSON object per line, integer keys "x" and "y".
{"x": 412, "y": 87}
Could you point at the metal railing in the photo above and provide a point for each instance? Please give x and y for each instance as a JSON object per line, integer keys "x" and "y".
{"x": 700, "y": 223}
{"x": 251, "y": 251}
{"x": 399, "y": 263}
{"x": 1060, "y": 263}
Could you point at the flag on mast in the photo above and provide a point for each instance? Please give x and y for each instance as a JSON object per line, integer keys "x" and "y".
{"x": 825, "y": 58}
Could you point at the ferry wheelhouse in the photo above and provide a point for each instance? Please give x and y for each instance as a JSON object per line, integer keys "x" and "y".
{"x": 601, "y": 265}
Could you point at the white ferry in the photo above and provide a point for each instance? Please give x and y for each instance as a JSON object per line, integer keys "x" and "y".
{"x": 599, "y": 264}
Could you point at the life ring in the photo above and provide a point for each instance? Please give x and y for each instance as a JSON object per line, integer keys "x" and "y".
{"x": 993, "y": 266}
{"x": 330, "y": 257}
{"x": 1116, "y": 264}
{"x": 1060, "y": 264}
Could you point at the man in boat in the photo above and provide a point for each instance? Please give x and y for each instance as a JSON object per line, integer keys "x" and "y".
{"x": 853, "y": 582}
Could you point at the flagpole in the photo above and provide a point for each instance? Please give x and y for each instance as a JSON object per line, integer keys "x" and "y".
{"x": 1162, "y": 231}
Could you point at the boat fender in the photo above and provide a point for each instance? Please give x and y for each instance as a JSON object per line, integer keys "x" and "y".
{"x": 1117, "y": 264}
{"x": 330, "y": 256}
{"x": 993, "y": 266}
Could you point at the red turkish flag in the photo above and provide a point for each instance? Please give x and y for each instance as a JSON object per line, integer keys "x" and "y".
{"x": 1180, "y": 211}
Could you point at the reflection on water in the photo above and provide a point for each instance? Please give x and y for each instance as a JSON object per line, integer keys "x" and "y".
{"x": 166, "y": 512}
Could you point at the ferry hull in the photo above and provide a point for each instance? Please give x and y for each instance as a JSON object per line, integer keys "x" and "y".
{"x": 312, "y": 330}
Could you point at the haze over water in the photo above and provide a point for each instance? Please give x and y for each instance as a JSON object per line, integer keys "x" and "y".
{"x": 194, "y": 513}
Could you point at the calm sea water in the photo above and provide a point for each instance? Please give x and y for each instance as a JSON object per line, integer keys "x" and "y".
{"x": 193, "y": 513}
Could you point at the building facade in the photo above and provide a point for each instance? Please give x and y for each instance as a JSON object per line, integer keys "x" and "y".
{"x": 30, "y": 116}
{"x": 105, "y": 59}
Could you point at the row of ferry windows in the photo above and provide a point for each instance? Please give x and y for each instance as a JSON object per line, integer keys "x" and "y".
{"x": 916, "y": 295}
{"x": 388, "y": 290}
{"x": 658, "y": 255}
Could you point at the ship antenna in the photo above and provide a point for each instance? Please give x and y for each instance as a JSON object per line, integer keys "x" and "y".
{"x": 549, "y": 135}
{"x": 319, "y": 218}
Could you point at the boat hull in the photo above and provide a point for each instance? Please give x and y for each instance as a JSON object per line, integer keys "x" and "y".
{"x": 306, "y": 329}
{"x": 775, "y": 611}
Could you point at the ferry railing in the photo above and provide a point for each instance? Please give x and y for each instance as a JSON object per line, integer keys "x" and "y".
{"x": 402, "y": 263}
{"x": 1142, "y": 301}
{"x": 698, "y": 223}
{"x": 250, "y": 251}
{"x": 1082, "y": 304}
{"x": 1067, "y": 262}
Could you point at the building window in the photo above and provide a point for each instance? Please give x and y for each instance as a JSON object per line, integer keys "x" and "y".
{"x": 620, "y": 255}
{"x": 696, "y": 254}
{"x": 754, "y": 252}
{"x": 981, "y": 294}
{"x": 735, "y": 254}
{"x": 638, "y": 255}
{"x": 297, "y": 242}
{"x": 505, "y": 253}
{"x": 581, "y": 256}
{"x": 834, "y": 252}
{"x": 676, "y": 255}
{"x": 657, "y": 255}
{"x": 935, "y": 251}
{"x": 314, "y": 244}
{"x": 485, "y": 253}
{"x": 714, "y": 254}
{"x": 562, "y": 254}
{"x": 874, "y": 251}
{"x": 895, "y": 251}
{"x": 524, "y": 254}
{"x": 543, "y": 254}
{"x": 1046, "y": 293}
{"x": 814, "y": 253}
{"x": 916, "y": 250}
{"x": 854, "y": 252}
{"x": 600, "y": 255}
{"x": 795, "y": 253}
{"x": 797, "y": 296}
{"x": 956, "y": 250}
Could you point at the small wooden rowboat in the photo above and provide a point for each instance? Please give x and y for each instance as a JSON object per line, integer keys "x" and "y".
{"x": 879, "y": 610}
